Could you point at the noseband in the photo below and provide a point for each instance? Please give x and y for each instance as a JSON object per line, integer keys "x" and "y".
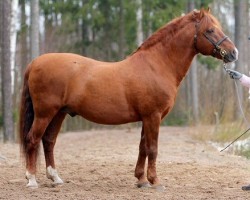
{"x": 217, "y": 48}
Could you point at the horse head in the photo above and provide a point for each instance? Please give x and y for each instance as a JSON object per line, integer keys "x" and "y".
{"x": 209, "y": 38}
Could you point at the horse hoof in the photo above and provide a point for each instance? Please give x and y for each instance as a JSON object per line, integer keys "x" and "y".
{"x": 57, "y": 183}
{"x": 144, "y": 185}
{"x": 160, "y": 188}
{"x": 247, "y": 187}
{"x": 32, "y": 185}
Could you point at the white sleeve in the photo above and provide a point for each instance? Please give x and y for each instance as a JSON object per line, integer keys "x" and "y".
{"x": 245, "y": 81}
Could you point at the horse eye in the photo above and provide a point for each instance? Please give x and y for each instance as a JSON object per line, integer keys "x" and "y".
{"x": 211, "y": 30}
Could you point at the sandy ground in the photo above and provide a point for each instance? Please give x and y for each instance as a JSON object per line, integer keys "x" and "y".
{"x": 100, "y": 165}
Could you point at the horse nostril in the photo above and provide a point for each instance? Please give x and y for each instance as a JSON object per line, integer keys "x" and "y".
{"x": 234, "y": 54}
{"x": 231, "y": 56}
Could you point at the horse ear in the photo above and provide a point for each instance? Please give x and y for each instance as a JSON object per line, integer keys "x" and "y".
{"x": 198, "y": 14}
{"x": 202, "y": 12}
{"x": 208, "y": 10}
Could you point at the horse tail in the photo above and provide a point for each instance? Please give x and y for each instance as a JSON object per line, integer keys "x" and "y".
{"x": 26, "y": 116}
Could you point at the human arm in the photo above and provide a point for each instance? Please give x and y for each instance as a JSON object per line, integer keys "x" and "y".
{"x": 245, "y": 81}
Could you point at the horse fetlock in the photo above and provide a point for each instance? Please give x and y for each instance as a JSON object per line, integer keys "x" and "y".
{"x": 53, "y": 175}
{"x": 153, "y": 179}
{"x": 31, "y": 180}
{"x": 139, "y": 173}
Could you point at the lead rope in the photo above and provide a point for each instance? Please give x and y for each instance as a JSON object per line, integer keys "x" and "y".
{"x": 242, "y": 112}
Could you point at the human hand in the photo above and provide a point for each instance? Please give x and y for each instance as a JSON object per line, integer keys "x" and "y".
{"x": 234, "y": 74}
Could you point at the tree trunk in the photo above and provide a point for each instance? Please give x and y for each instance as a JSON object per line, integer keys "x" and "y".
{"x": 13, "y": 32}
{"x": 240, "y": 9}
{"x": 121, "y": 31}
{"x": 139, "y": 22}
{"x": 192, "y": 79}
{"x": 34, "y": 38}
{"x": 8, "y": 125}
{"x": 13, "y": 39}
{"x": 23, "y": 38}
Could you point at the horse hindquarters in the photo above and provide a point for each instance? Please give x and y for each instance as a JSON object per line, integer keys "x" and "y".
{"x": 32, "y": 128}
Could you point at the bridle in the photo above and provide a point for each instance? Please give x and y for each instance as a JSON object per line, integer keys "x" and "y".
{"x": 217, "y": 48}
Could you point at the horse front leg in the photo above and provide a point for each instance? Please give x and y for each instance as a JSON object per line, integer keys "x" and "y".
{"x": 140, "y": 165}
{"x": 151, "y": 131}
{"x": 49, "y": 140}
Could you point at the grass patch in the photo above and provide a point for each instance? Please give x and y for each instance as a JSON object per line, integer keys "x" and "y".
{"x": 221, "y": 133}
{"x": 228, "y": 132}
{"x": 224, "y": 134}
{"x": 176, "y": 119}
{"x": 243, "y": 152}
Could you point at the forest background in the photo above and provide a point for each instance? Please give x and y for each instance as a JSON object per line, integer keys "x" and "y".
{"x": 110, "y": 30}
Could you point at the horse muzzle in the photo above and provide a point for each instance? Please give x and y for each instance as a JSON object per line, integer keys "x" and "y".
{"x": 231, "y": 56}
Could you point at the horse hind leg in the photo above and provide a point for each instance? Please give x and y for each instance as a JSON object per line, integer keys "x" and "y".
{"x": 49, "y": 140}
{"x": 32, "y": 149}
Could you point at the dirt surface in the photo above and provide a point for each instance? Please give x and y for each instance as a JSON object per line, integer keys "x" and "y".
{"x": 100, "y": 165}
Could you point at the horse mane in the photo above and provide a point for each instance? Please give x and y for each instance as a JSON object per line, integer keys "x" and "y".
{"x": 168, "y": 31}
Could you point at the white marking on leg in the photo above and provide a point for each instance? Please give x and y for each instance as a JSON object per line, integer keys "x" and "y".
{"x": 31, "y": 180}
{"x": 53, "y": 175}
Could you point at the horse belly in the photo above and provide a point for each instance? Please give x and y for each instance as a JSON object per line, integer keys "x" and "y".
{"x": 109, "y": 114}
{"x": 105, "y": 110}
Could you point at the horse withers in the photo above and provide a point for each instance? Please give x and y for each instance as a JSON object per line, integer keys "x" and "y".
{"x": 142, "y": 87}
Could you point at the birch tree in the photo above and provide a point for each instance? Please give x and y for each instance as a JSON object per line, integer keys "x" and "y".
{"x": 139, "y": 30}
{"x": 13, "y": 32}
{"x": 34, "y": 33}
{"x": 13, "y": 40}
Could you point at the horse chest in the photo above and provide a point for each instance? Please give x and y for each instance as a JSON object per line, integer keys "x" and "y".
{"x": 156, "y": 102}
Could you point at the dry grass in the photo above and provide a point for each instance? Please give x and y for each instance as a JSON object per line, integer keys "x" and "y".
{"x": 221, "y": 133}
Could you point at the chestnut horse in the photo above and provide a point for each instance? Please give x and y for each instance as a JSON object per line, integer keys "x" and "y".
{"x": 142, "y": 87}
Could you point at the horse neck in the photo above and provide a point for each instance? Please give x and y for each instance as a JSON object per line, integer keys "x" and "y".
{"x": 172, "y": 57}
